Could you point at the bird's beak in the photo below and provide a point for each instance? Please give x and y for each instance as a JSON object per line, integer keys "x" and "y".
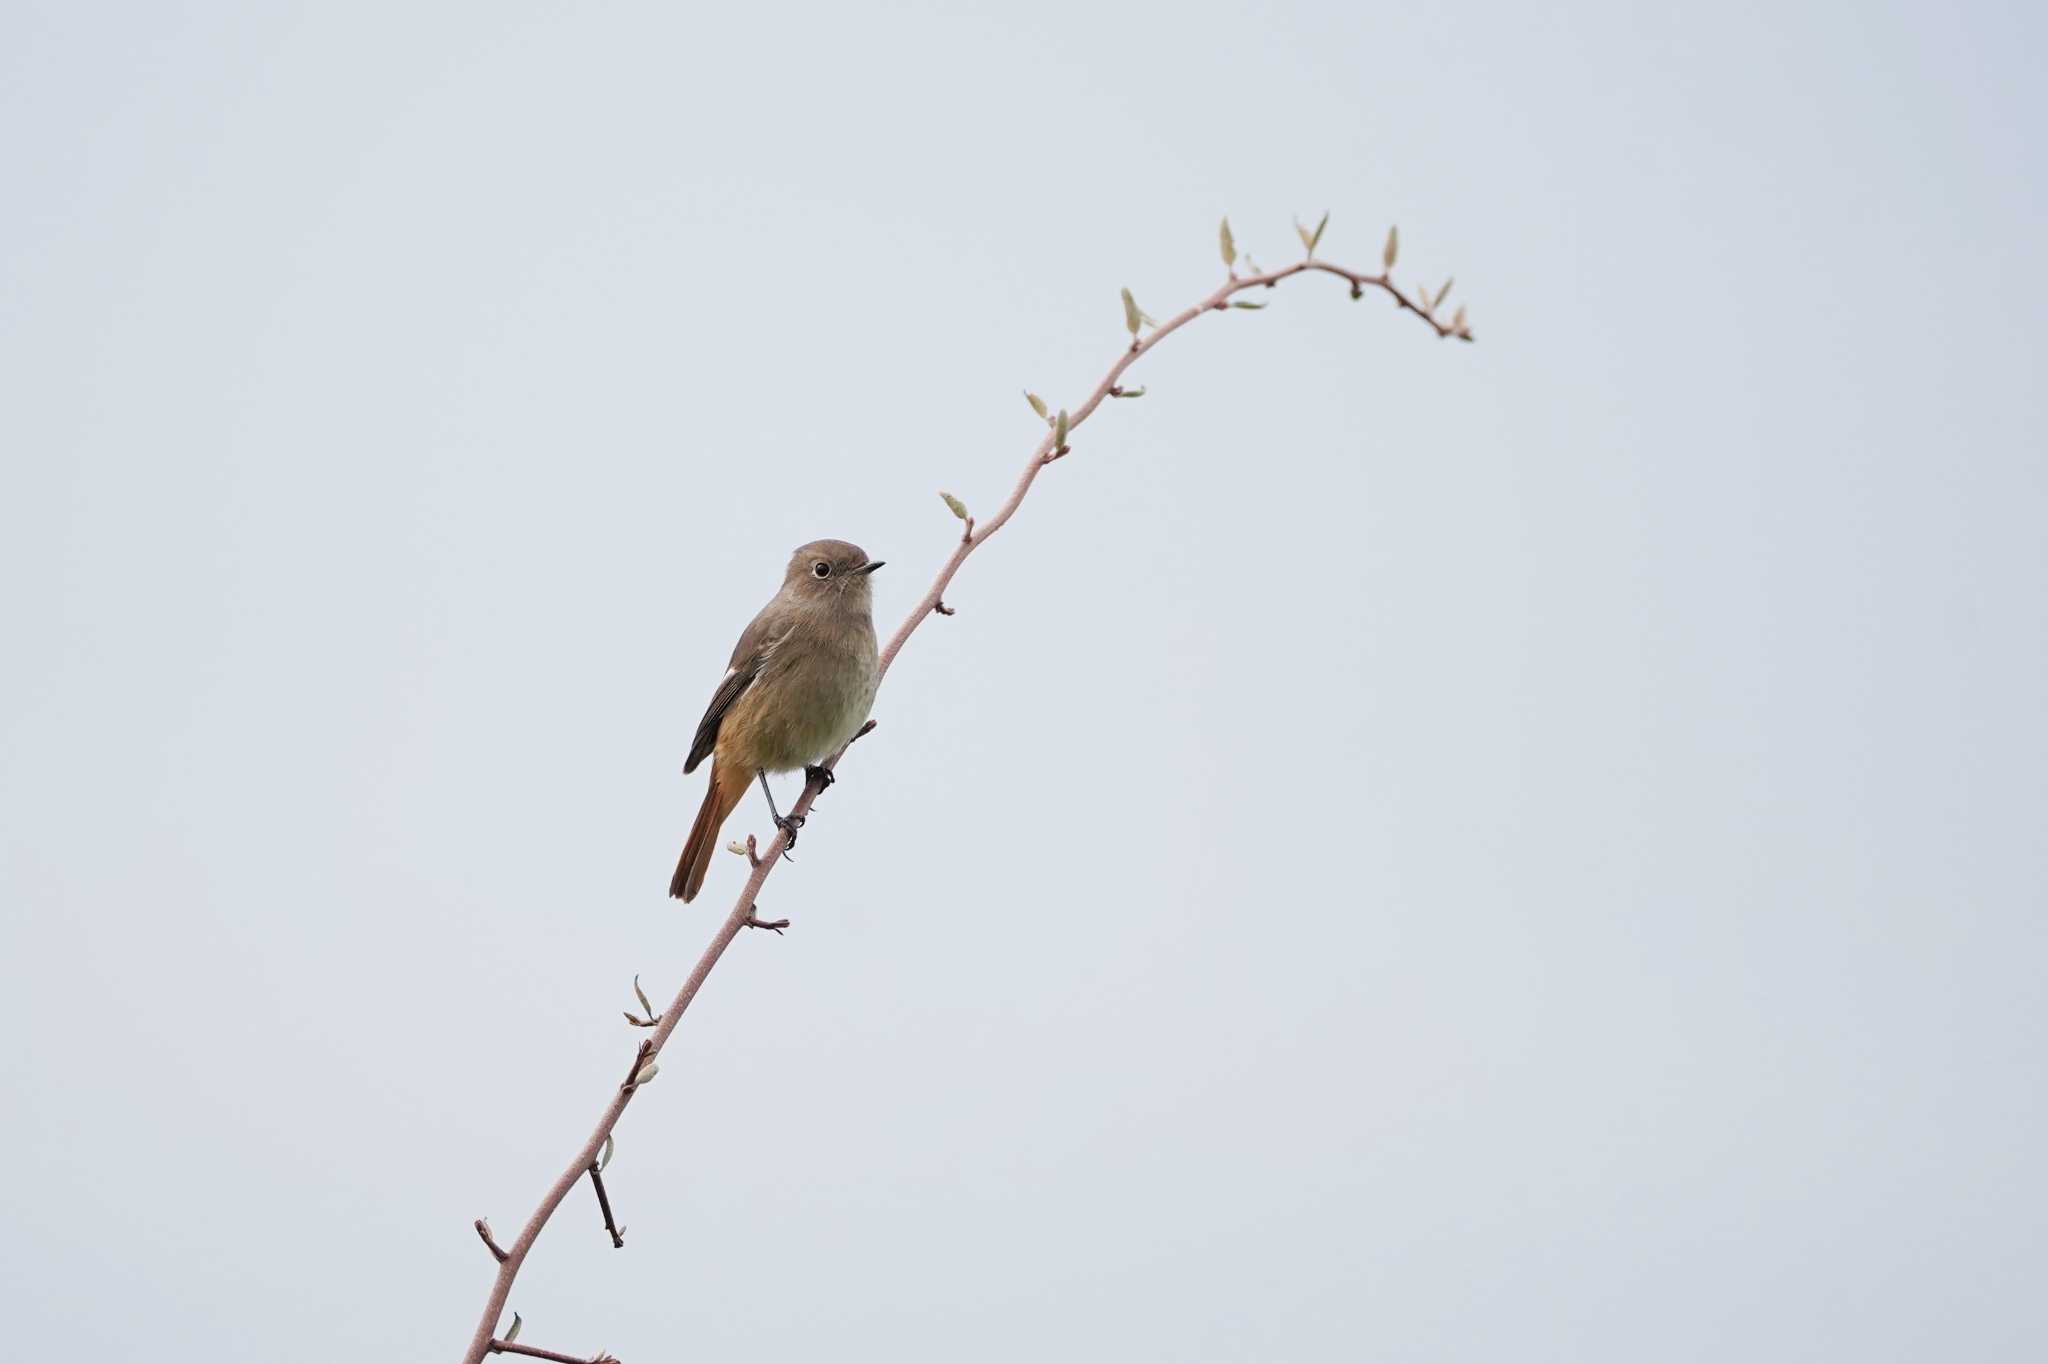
{"x": 866, "y": 569}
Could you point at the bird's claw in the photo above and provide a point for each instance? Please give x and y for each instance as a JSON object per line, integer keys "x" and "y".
{"x": 789, "y": 824}
{"x": 820, "y": 776}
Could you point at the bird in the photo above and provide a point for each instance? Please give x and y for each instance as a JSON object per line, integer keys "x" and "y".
{"x": 800, "y": 682}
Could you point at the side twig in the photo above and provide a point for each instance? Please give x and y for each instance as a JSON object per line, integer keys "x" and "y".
{"x": 513, "y": 1347}
{"x": 605, "y": 1205}
{"x": 742, "y": 914}
{"x": 483, "y": 1229}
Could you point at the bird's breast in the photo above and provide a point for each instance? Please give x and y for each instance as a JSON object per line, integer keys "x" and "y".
{"x": 809, "y": 700}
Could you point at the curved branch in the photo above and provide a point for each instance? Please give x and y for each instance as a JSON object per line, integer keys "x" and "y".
{"x": 742, "y": 913}
{"x": 1045, "y": 453}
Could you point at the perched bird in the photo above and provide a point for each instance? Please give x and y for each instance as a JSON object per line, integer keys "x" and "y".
{"x": 800, "y": 683}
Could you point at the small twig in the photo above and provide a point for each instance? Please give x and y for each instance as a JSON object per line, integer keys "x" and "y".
{"x": 861, "y": 733}
{"x": 605, "y": 1204}
{"x": 772, "y": 925}
{"x": 483, "y": 1229}
{"x": 753, "y": 852}
{"x": 513, "y": 1347}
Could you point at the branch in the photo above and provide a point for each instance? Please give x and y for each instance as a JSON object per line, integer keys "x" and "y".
{"x": 742, "y": 914}
{"x": 605, "y": 1205}
{"x": 1048, "y": 450}
{"x": 513, "y": 1347}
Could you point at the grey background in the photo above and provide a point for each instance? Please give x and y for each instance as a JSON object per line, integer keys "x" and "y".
{"x": 1528, "y": 851}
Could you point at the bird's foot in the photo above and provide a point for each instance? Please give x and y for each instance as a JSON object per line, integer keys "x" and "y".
{"x": 789, "y": 824}
{"x": 821, "y": 777}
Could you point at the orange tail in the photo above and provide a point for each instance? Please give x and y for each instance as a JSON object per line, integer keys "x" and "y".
{"x": 719, "y": 799}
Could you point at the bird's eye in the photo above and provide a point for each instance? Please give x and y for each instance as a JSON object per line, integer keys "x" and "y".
{"x": 821, "y": 569}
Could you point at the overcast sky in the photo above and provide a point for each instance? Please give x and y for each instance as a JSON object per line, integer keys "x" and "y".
{"x": 1408, "y": 851}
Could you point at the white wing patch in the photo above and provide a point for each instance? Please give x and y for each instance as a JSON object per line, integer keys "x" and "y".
{"x": 768, "y": 650}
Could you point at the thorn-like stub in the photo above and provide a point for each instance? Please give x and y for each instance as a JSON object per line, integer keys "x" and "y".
{"x": 641, "y": 1059}
{"x": 483, "y": 1229}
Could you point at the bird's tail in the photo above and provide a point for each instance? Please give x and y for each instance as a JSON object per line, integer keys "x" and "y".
{"x": 724, "y": 792}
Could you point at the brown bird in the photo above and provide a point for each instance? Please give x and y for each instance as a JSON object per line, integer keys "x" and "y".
{"x": 800, "y": 683}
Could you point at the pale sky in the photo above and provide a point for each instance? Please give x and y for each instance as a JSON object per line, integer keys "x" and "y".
{"x": 1525, "y": 851}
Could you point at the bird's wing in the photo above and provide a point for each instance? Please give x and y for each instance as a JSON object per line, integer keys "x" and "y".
{"x": 757, "y": 645}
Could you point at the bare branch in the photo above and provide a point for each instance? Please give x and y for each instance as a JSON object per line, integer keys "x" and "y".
{"x": 513, "y": 1347}
{"x": 605, "y": 1206}
{"x": 1049, "y": 448}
